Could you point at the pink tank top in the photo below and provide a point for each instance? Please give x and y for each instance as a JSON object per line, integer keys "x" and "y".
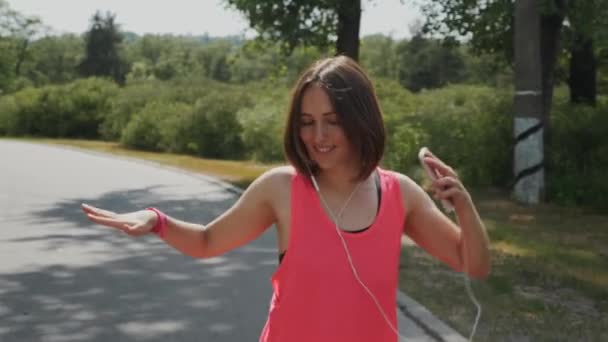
{"x": 316, "y": 297}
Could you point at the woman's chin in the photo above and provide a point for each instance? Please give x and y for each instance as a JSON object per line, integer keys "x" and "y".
{"x": 325, "y": 165}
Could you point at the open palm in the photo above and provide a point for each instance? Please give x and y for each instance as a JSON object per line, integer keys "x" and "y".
{"x": 135, "y": 223}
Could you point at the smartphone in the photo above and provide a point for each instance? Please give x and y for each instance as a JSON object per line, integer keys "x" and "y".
{"x": 433, "y": 175}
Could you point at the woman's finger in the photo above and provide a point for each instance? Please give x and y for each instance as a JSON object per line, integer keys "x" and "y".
{"x": 447, "y": 194}
{"x": 115, "y": 223}
{"x": 136, "y": 230}
{"x": 97, "y": 211}
{"x": 447, "y": 182}
{"x": 440, "y": 166}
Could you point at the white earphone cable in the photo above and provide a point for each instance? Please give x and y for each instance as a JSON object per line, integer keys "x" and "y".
{"x": 350, "y": 261}
{"x": 467, "y": 283}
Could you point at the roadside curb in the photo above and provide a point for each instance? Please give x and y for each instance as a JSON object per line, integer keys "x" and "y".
{"x": 426, "y": 320}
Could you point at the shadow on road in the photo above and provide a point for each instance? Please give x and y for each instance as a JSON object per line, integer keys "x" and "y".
{"x": 131, "y": 289}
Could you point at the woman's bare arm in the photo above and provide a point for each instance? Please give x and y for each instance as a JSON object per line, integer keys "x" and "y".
{"x": 452, "y": 243}
{"x": 249, "y": 217}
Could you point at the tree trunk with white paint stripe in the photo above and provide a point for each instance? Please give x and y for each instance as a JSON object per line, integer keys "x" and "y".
{"x": 528, "y": 126}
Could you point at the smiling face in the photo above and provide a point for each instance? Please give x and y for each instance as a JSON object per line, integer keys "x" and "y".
{"x": 334, "y": 119}
{"x": 322, "y": 132}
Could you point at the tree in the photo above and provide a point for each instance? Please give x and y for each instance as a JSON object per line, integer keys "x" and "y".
{"x": 306, "y": 22}
{"x": 489, "y": 24}
{"x": 54, "y": 59}
{"x": 16, "y": 33}
{"x": 378, "y": 56}
{"x": 528, "y": 124}
{"x": 587, "y": 29}
{"x": 102, "y": 57}
{"x": 428, "y": 63}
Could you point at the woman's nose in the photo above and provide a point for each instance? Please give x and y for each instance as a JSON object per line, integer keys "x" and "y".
{"x": 320, "y": 132}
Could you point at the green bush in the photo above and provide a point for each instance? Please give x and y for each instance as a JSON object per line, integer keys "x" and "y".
{"x": 403, "y": 139}
{"x": 130, "y": 100}
{"x": 19, "y": 112}
{"x": 263, "y": 126}
{"x": 466, "y": 126}
{"x": 73, "y": 110}
{"x": 135, "y": 96}
{"x": 156, "y": 127}
{"x": 9, "y": 115}
{"x": 578, "y": 153}
{"x": 207, "y": 128}
{"x": 214, "y": 128}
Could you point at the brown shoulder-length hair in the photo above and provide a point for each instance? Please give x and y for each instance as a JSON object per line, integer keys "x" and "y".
{"x": 353, "y": 99}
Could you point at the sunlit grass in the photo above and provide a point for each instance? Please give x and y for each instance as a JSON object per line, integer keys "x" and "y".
{"x": 549, "y": 277}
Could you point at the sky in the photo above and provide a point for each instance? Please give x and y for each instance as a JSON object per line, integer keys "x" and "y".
{"x": 195, "y": 17}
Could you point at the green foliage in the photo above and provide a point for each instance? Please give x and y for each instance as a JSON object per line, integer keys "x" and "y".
{"x": 102, "y": 56}
{"x": 134, "y": 97}
{"x": 7, "y": 74}
{"x": 257, "y": 60}
{"x": 578, "y": 159}
{"x": 9, "y": 116}
{"x": 379, "y": 56}
{"x": 16, "y": 34}
{"x": 72, "y": 110}
{"x": 426, "y": 64}
{"x": 263, "y": 126}
{"x": 467, "y": 126}
{"x": 202, "y": 123}
{"x": 215, "y": 127}
{"x": 169, "y": 57}
{"x": 54, "y": 59}
{"x": 155, "y": 127}
{"x": 294, "y": 23}
{"x": 130, "y": 100}
{"x": 471, "y": 127}
{"x": 488, "y": 23}
{"x": 404, "y": 142}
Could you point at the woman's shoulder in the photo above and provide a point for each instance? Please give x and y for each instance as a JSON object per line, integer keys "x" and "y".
{"x": 276, "y": 178}
{"x": 281, "y": 174}
{"x": 405, "y": 182}
{"x": 410, "y": 190}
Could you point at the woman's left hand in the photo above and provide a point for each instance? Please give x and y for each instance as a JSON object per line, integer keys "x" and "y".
{"x": 447, "y": 186}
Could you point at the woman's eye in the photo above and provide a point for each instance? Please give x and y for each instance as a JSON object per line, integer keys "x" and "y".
{"x": 334, "y": 122}
{"x": 305, "y": 123}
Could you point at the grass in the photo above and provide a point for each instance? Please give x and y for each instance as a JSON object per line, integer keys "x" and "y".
{"x": 549, "y": 279}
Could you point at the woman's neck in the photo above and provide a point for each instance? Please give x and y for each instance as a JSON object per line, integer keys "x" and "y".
{"x": 341, "y": 181}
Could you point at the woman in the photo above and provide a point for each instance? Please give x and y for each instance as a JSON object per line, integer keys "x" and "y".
{"x": 339, "y": 217}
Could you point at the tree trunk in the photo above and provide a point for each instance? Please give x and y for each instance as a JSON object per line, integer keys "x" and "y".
{"x": 349, "y": 21}
{"x": 551, "y": 27}
{"x": 583, "y": 71}
{"x": 528, "y": 158}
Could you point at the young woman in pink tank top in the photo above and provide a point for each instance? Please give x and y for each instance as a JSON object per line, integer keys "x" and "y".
{"x": 339, "y": 216}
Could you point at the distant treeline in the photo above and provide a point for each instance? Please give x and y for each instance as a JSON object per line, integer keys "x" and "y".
{"x": 226, "y": 97}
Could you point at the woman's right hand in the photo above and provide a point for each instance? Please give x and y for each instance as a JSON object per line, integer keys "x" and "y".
{"x": 135, "y": 223}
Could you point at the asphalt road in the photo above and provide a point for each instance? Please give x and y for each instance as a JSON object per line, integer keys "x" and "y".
{"x": 63, "y": 278}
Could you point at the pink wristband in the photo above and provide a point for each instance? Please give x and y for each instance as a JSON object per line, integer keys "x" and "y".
{"x": 160, "y": 227}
